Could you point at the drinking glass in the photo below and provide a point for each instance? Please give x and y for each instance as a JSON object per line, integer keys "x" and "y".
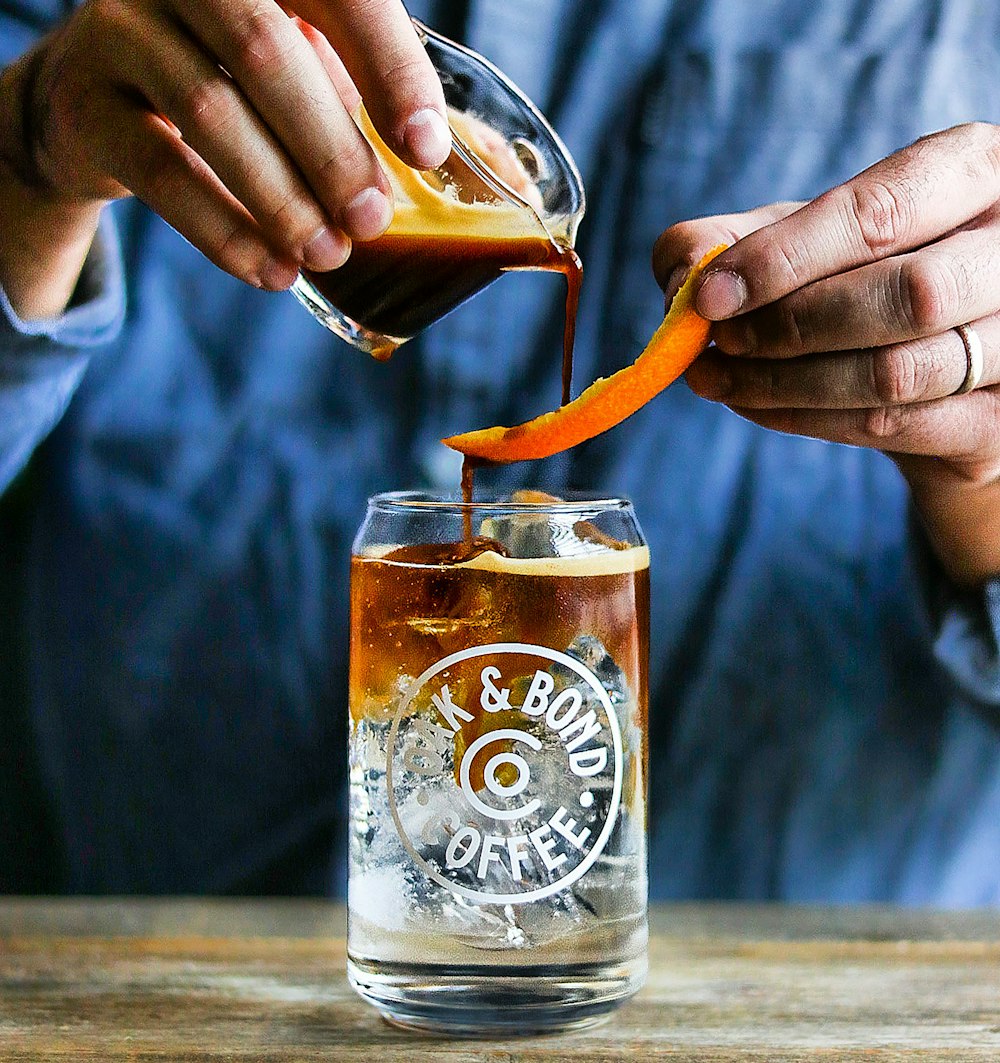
{"x": 498, "y": 689}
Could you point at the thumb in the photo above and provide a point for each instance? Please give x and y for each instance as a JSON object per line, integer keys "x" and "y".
{"x": 678, "y": 248}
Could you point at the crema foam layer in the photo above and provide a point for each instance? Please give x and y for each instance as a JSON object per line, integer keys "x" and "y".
{"x": 422, "y": 209}
{"x": 605, "y": 563}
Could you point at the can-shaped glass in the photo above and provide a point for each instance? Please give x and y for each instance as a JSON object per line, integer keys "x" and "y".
{"x": 498, "y": 754}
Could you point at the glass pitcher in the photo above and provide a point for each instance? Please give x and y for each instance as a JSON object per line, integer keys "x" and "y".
{"x": 508, "y": 197}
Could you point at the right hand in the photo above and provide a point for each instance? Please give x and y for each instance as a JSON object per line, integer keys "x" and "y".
{"x": 232, "y": 120}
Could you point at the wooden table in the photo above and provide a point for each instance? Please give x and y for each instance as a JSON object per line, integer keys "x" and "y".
{"x": 201, "y": 980}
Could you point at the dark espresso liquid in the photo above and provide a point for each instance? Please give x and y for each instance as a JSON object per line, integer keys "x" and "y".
{"x": 572, "y": 268}
{"x": 400, "y": 283}
{"x": 566, "y": 261}
{"x": 469, "y": 466}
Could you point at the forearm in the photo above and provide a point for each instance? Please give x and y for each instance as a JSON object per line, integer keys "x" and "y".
{"x": 44, "y": 237}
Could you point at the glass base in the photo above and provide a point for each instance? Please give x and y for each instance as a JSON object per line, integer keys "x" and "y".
{"x": 377, "y": 344}
{"x": 496, "y": 1001}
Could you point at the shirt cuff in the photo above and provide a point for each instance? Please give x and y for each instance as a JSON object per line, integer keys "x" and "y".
{"x": 96, "y": 311}
{"x": 43, "y": 361}
{"x": 964, "y": 624}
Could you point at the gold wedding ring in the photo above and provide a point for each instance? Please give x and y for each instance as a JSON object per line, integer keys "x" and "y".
{"x": 973, "y": 359}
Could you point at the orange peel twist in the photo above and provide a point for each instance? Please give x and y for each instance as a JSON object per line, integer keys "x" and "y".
{"x": 680, "y": 338}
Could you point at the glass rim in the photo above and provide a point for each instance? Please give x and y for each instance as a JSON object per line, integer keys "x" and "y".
{"x": 429, "y": 502}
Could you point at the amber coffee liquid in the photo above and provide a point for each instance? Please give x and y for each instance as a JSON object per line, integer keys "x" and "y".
{"x": 497, "y": 794}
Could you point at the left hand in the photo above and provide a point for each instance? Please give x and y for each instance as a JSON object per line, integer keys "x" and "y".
{"x": 836, "y": 319}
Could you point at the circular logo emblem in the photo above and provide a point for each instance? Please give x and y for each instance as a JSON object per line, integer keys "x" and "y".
{"x": 504, "y": 771}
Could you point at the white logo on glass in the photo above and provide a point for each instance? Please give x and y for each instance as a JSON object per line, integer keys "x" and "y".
{"x": 514, "y": 812}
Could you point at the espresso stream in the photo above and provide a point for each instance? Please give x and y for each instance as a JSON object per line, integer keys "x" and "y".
{"x": 454, "y": 231}
{"x": 566, "y": 261}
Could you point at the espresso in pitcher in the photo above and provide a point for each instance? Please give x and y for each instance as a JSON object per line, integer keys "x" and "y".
{"x": 454, "y": 231}
{"x": 403, "y": 282}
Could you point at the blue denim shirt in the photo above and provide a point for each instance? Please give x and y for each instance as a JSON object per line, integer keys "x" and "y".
{"x": 185, "y": 461}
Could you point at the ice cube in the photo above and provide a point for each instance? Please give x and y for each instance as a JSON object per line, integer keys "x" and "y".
{"x": 546, "y": 534}
{"x": 392, "y": 890}
{"x": 541, "y": 535}
{"x": 590, "y": 651}
{"x": 378, "y": 894}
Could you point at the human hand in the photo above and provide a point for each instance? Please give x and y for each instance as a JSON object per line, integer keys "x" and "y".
{"x": 836, "y": 319}
{"x": 232, "y": 120}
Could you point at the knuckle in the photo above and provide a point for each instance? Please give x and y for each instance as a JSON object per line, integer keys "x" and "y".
{"x": 928, "y": 293}
{"x": 882, "y": 213}
{"x": 685, "y": 242}
{"x": 109, "y": 14}
{"x": 405, "y": 73}
{"x": 231, "y": 249}
{"x": 352, "y": 159}
{"x": 895, "y": 376}
{"x": 883, "y": 424}
{"x": 663, "y": 246}
{"x": 675, "y": 242}
{"x": 791, "y": 326}
{"x": 981, "y": 135}
{"x": 786, "y": 264}
{"x": 261, "y": 42}
{"x": 205, "y": 104}
{"x": 983, "y": 139}
{"x": 676, "y": 248}
{"x": 291, "y": 219}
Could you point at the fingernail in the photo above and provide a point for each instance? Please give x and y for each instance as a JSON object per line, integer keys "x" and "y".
{"x": 326, "y": 249}
{"x": 276, "y": 275}
{"x": 735, "y": 337}
{"x": 427, "y": 138}
{"x": 721, "y": 295}
{"x": 674, "y": 282}
{"x": 368, "y": 214}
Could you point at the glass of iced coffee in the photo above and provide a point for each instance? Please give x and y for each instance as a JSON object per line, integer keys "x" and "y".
{"x": 498, "y": 689}
{"x": 509, "y": 197}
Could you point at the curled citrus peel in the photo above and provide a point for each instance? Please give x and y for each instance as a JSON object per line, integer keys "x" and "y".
{"x": 681, "y": 337}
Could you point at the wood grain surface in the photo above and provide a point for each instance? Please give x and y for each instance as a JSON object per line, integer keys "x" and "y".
{"x": 211, "y": 980}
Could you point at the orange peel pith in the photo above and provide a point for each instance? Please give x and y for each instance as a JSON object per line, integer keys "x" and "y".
{"x": 680, "y": 338}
